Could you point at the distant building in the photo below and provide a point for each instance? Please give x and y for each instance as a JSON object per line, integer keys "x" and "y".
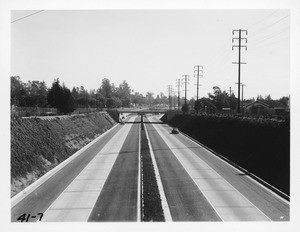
{"x": 258, "y": 108}
{"x": 261, "y": 108}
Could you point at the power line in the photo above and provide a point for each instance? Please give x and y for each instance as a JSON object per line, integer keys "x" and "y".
{"x": 258, "y": 46}
{"x": 266, "y": 27}
{"x": 263, "y": 19}
{"x": 26, "y": 16}
{"x": 220, "y": 59}
{"x": 223, "y": 50}
{"x": 258, "y": 41}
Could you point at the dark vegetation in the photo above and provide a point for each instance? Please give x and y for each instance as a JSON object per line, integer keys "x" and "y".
{"x": 261, "y": 146}
{"x": 38, "y": 145}
{"x": 219, "y": 100}
{"x": 152, "y": 208}
{"x": 107, "y": 95}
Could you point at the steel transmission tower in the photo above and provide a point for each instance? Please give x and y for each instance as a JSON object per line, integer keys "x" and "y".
{"x": 185, "y": 81}
{"x": 170, "y": 95}
{"x": 178, "y": 84}
{"x": 198, "y": 69}
{"x": 239, "y": 46}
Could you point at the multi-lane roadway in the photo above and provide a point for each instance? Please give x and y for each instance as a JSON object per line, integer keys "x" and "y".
{"x": 101, "y": 182}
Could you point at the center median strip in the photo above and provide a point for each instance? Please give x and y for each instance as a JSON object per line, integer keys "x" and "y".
{"x": 164, "y": 203}
{"x": 152, "y": 209}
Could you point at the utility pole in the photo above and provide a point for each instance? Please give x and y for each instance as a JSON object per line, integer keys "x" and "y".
{"x": 170, "y": 92}
{"x": 239, "y": 62}
{"x": 197, "y": 70}
{"x": 243, "y": 96}
{"x": 174, "y": 98}
{"x": 241, "y": 84}
{"x": 230, "y": 91}
{"x": 185, "y": 81}
{"x": 178, "y": 84}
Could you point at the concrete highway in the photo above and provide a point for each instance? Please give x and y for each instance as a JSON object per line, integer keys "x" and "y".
{"x": 220, "y": 189}
{"x": 79, "y": 190}
{"x": 102, "y": 182}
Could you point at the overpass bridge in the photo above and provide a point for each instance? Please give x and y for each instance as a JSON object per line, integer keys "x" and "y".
{"x": 143, "y": 111}
{"x": 115, "y": 113}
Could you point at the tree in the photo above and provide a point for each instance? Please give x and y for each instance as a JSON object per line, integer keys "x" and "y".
{"x": 157, "y": 100}
{"x": 60, "y": 97}
{"x": 123, "y": 92}
{"x": 106, "y": 90}
{"x": 149, "y": 98}
{"x": 36, "y": 93}
{"x": 75, "y": 94}
{"x": 17, "y": 91}
{"x": 284, "y": 101}
{"x": 220, "y": 99}
{"x": 138, "y": 98}
{"x": 164, "y": 99}
{"x": 185, "y": 108}
{"x": 55, "y": 94}
{"x": 67, "y": 104}
{"x": 206, "y": 105}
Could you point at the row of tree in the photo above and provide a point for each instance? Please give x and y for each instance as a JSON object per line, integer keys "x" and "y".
{"x": 218, "y": 100}
{"x": 36, "y": 94}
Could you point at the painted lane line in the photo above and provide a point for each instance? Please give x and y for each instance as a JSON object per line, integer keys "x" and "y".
{"x": 229, "y": 203}
{"x": 139, "y": 179}
{"x": 164, "y": 202}
{"x": 76, "y": 202}
{"x": 31, "y": 188}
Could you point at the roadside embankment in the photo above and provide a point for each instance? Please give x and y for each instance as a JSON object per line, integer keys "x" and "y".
{"x": 40, "y": 144}
{"x": 260, "y": 146}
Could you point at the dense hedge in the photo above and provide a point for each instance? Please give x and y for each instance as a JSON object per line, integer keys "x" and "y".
{"x": 152, "y": 208}
{"x": 261, "y": 146}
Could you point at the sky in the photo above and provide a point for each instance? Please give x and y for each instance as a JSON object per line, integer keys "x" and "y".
{"x": 150, "y": 49}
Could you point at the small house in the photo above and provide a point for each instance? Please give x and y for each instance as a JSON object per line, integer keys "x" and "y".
{"x": 258, "y": 108}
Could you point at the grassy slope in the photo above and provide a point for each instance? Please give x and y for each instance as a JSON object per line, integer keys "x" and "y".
{"x": 39, "y": 145}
